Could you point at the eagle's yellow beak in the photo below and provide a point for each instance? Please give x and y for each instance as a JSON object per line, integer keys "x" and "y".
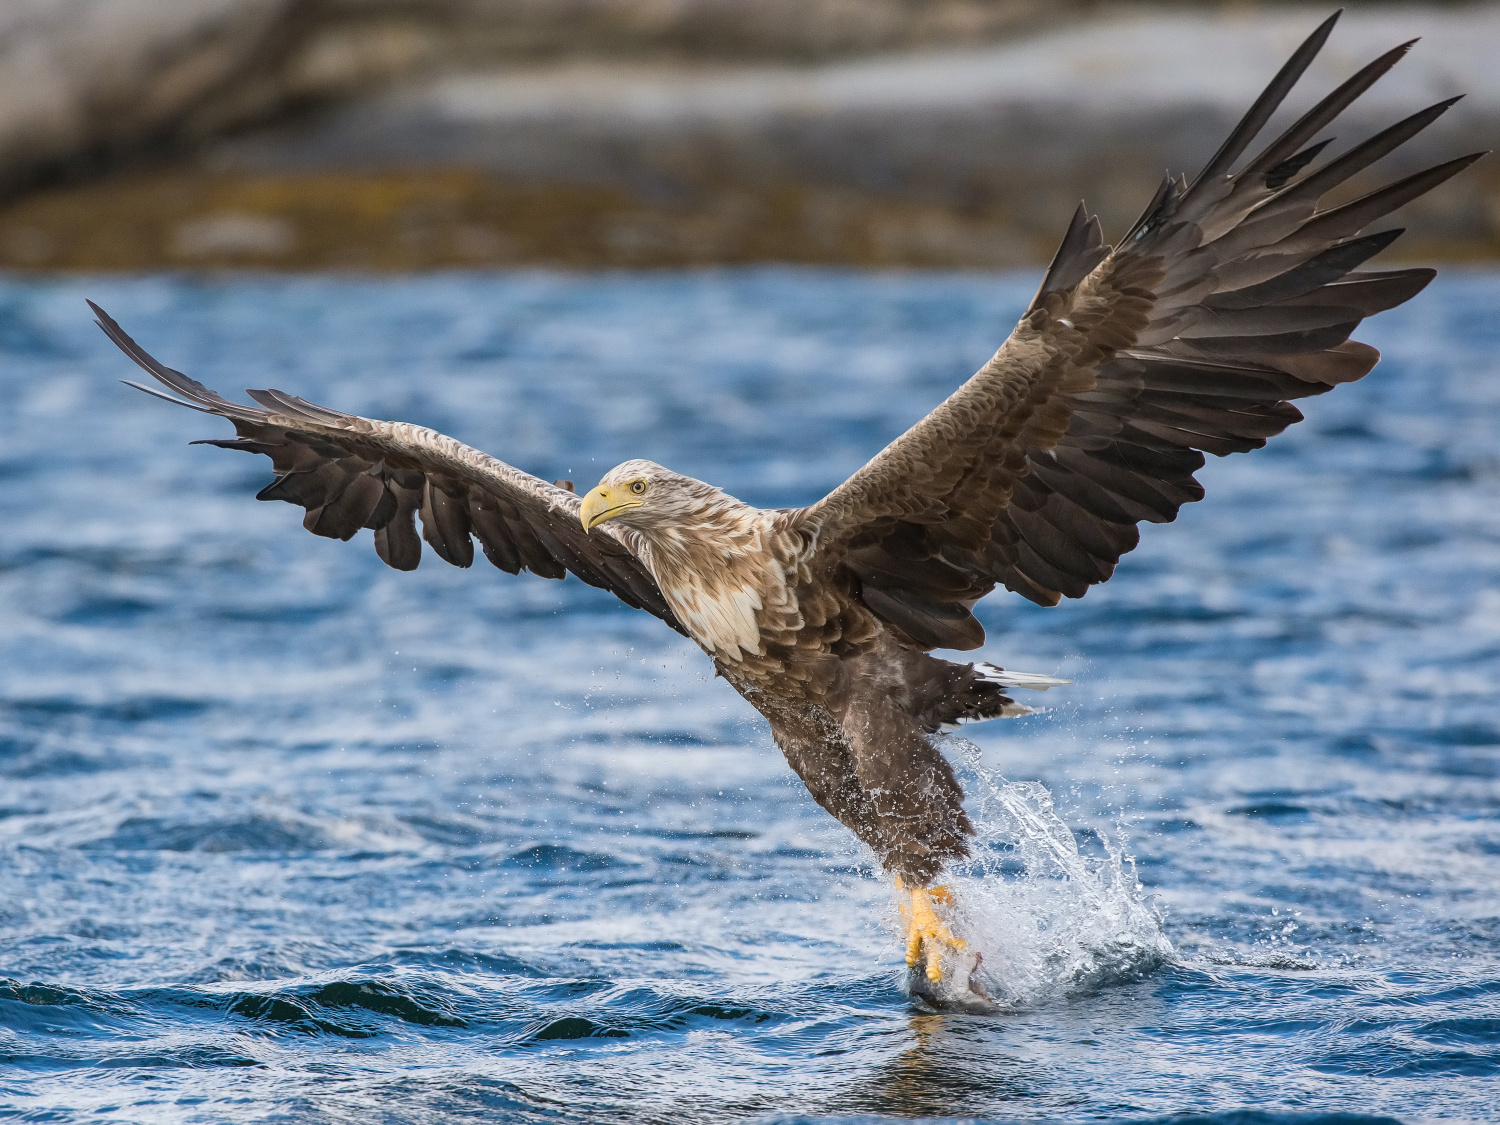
{"x": 605, "y": 502}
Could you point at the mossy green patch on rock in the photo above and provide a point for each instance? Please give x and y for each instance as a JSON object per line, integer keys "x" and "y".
{"x": 460, "y": 217}
{"x": 449, "y": 218}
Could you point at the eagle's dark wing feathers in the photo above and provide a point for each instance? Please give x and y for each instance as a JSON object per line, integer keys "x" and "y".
{"x": 351, "y": 473}
{"x": 1229, "y": 298}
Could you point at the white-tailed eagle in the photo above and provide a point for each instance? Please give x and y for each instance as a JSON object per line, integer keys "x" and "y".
{"x": 1233, "y": 294}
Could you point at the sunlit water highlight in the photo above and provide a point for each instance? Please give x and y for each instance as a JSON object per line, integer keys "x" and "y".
{"x": 288, "y": 836}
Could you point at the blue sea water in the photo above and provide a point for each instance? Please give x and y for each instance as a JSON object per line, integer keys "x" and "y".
{"x": 289, "y": 836}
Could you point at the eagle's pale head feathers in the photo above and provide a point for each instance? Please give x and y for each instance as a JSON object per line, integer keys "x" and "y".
{"x": 708, "y": 552}
{"x": 645, "y": 496}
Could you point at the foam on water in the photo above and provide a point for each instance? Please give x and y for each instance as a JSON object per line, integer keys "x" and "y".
{"x": 1046, "y": 920}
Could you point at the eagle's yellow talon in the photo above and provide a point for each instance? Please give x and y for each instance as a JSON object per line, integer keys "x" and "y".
{"x": 934, "y": 963}
{"x": 925, "y": 929}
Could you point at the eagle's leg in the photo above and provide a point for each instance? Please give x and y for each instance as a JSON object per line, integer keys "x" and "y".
{"x": 873, "y": 767}
{"x": 925, "y": 930}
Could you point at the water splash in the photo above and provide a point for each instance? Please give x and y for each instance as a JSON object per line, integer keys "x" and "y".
{"x": 1045, "y": 919}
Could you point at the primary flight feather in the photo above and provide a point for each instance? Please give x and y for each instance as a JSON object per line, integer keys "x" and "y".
{"x": 1233, "y": 294}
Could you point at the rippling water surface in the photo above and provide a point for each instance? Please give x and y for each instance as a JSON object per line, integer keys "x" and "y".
{"x": 286, "y": 835}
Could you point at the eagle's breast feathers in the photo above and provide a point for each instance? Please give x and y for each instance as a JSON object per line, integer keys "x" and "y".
{"x": 730, "y": 576}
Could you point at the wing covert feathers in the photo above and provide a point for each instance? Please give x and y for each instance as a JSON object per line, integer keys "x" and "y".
{"x": 1232, "y": 295}
{"x": 351, "y": 473}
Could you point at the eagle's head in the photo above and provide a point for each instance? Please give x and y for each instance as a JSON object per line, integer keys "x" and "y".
{"x": 643, "y": 495}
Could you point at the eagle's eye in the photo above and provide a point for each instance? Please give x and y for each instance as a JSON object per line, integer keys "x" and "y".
{"x": 638, "y": 486}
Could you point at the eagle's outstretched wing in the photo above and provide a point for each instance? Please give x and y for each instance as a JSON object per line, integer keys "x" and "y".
{"x": 351, "y": 472}
{"x": 1230, "y": 296}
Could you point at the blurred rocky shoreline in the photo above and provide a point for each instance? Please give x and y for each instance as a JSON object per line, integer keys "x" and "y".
{"x": 410, "y": 134}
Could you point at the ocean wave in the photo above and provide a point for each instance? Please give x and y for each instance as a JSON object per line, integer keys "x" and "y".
{"x": 288, "y": 836}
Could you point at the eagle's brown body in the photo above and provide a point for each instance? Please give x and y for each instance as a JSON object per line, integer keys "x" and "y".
{"x": 1231, "y": 296}
{"x": 850, "y": 699}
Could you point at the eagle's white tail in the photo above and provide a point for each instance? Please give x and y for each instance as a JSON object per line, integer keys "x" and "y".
{"x": 1009, "y": 678}
{"x": 977, "y": 707}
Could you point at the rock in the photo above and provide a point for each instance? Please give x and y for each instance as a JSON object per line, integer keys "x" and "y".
{"x": 83, "y": 82}
{"x": 234, "y": 234}
{"x": 465, "y": 132}
{"x": 1025, "y": 128}
{"x": 90, "y": 84}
